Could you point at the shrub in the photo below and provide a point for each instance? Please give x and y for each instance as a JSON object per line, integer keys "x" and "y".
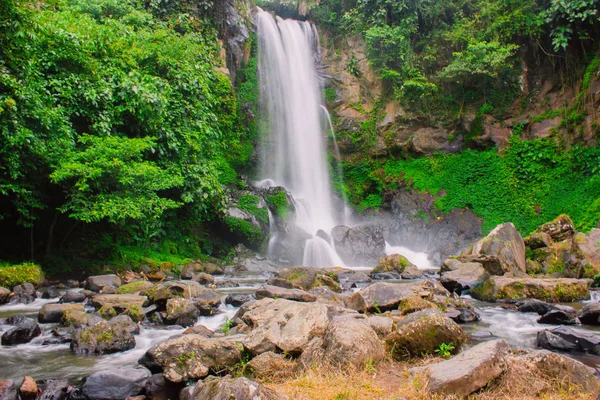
{"x": 13, "y": 275}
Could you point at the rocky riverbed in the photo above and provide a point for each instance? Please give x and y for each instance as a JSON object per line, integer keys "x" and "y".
{"x": 152, "y": 335}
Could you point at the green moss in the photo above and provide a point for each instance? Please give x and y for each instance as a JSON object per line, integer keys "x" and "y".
{"x": 107, "y": 312}
{"x": 133, "y": 287}
{"x": 330, "y": 95}
{"x": 279, "y": 204}
{"x": 249, "y": 203}
{"x": 13, "y": 275}
{"x": 136, "y": 312}
{"x": 244, "y": 228}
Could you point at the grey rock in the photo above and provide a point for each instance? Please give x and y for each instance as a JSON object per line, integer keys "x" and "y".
{"x": 590, "y": 314}
{"x": 227, "y": 389}
{"x": 96, "y": 283}
{"x": 73, "y": 296}
{"x": 361, "y": 245}
{"x": 469, "y": 371}
{"x": 275, "y": 292}
{"x": 24, "y": 330}
{"x": 116, "y": 383}
{"x": 567, "y": 339}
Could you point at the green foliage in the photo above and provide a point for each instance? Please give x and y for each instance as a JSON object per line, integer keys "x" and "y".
{"x": 13, "y": 275}
{"x": 249, "y": 203}
{"x": 330, "y": 95}
{"x": 226, "y": 326}
{"x": 279, "y": 203}
{"x": 352, "y": 66}
{"x": 570, "y": 17}
{"x": 531, "y": 183}
{"x": 244, "y": 228}
{"x": 444, "y": 350}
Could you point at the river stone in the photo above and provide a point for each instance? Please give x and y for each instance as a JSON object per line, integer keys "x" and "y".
{"x": 80, "y": 319}
{"x": 392, "y": 263}
{"x": 193, "y": 356}
{"x": 384, "y": 296}
{"x": 561, "y": 315}
{"x": 55, "y": 390}
{"x": 158, "y": 388}
{"x": 272, "y": 366}
{"x": 347, "y": 341}
{"x": 464, "y": 278}
{"x": 162, "y": 292}
{"x": 555, "y": 290}
{"x": 28, "y": 389}
{"x": 199, "y": 330}
{"x": 566, "y": 339}
{"x": 8, "y": 390}
{"x": 326, "y": 295}
{"x": 207, "y": 302}
{"x": 590, "y": 314}
{"x": 534, "y": 305}
{"x": 561, "y": 228}
{"x": 505, "y": 242}
{"x": 54, "y": 312}
{"x": 116, "y": 383}
{"x": 275, "y": 292}
{"x": 24, "y": 331}
{"x": 468, "y": 372}
{"x": 24, "y": 293}
{"x": 307, "y": 278}
{"x": 554, "y": 367}
{"x": 124, "y": 321}
{"x": 181, "y": 311}
{"x": 102, "y": 338}
{"x": 227, "y": 389}
{"x": 237, "y": 299}
{"x": 381, "y": 325}
{"x": 120, "y": 302}
{"x": 422, "y": 333}
{"x": 361, "y": 245}
{"x": 96, "y": 283}
{"x": 4, "y": 295}
{"x": 286, "y": 325}
{"x": 73, "y": 296}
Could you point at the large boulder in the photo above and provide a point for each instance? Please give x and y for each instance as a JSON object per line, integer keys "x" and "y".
{"x": 23, "y": 331}
{"x": 465, "y": 277}
{"x": 362, "y": 245}
{"x": 560, "y": 315}
{"x": 422, "y": 333}
{"x": 468, "y": 372}
{"x": 24, "y": 293}
{"x": 556, "y": 290}
{"x": 162, "y": 292}
{"x": 80, "y": 319}
{"x": 186, "y": 357}
{"x": 272, "y": 366}
{"x": 307, "y": 278}
{"x": 553, "y": 367}
{"x": 116, "y": 383}
{"x": 383, "y": 296}
{"x": 228, "y": 388}
{"x": 392, "y": 263}
{"x": 533, "y": 305}
{"x": 506, "y": 243}
{"x": 96, "y": 283}
{"x": 54, "y": 312}
{"x": 103, "y": 338}
{"x": 55, "y": 390}
{"x": 561, "y": 228}
{"x": 237, "y": 299}
{"x": 567, "y": 339}
{"x": 4, "y": 295}
{"x": 275, "y": 292}
{"x": 120, "y": 302}
{"x": 181, "y": 311}
{"x": 73, "y": 296}
{"x": 135, "y": 287}
{"x": 590, "y": 314}
{"x": 347, "y": 341}
{"x": 286, "y": 325}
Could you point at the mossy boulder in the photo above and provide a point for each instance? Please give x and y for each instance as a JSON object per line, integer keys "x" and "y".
{"x": 561, "y": 228}
{"x": 4, "y": 295}
{"x": 79, "y": 319}
{"x": 102, "y": 338}
{"x": 413, "y": 304}
{"x": 422, "y": 333}
{"x": 392, "y": 263}
{"x": 120, "y": 302}
{"x": 556, "y": 290}
{"x": 137, "y": 287}
{"x": 54, "y": 312}
{"x": 307, "y": 278}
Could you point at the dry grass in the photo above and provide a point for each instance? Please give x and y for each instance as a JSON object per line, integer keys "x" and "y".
{"x": 390, "y": 380}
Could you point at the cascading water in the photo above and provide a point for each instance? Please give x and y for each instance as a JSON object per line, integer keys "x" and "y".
{"x": 295, "y": 154}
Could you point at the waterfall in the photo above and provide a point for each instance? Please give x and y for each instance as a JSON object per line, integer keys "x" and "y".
{"x": 294, "y": 155}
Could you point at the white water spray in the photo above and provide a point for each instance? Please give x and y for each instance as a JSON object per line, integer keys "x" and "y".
{"x": 295, "y": 154}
